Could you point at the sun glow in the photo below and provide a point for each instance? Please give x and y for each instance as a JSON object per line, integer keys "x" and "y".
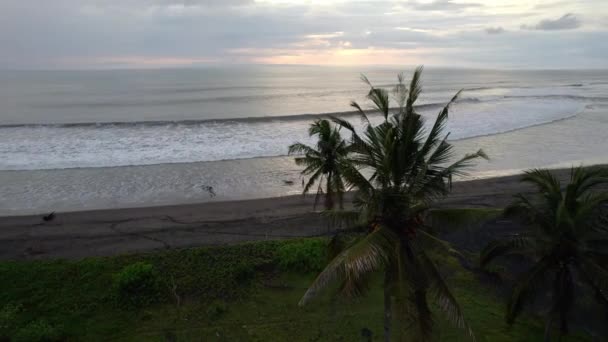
{"x": 342, "y": 56}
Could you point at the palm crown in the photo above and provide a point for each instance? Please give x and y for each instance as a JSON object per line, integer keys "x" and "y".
{"x": 568, "y": 236}
{"x": 323, "y": 160}
{"x": 407, "y": 170}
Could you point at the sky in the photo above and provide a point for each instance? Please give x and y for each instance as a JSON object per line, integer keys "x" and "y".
{"x": 98, "y": 34}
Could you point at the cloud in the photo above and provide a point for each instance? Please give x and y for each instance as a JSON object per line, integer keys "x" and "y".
{"x": 192, "y": 3}
{"x": 568, "y": 21}
{"x": 494, "y": 30}
{"x": 442, "y": 5}
{"x": 149, "y": 33}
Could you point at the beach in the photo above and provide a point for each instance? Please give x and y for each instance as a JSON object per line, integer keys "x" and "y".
{"x": 84, "y": 140}
{"x": 111, "y": 232}
{"x": 126, "y": 158}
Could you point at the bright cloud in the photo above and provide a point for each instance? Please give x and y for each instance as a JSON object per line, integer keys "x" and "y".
{"x": 162, "y": 33}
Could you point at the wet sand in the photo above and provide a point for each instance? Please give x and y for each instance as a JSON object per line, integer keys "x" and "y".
{"x": 110, "y": 232}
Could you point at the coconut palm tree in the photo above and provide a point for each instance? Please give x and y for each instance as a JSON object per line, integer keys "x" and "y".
{"x": 323, "y": 161}
{"x": 407, "y": 169}
{"x": 567, "y": 237}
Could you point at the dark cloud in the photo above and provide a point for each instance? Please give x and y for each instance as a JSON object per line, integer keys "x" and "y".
{"x": 494, "y": 30}
{"x": 566, "y": 22}
{"x": 442, "y": 5}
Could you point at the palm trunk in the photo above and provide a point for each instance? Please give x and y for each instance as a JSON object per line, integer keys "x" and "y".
{"x": 329, "y": 201}
{"x": 548, "y": 329}
{"x": 388, "y": 313}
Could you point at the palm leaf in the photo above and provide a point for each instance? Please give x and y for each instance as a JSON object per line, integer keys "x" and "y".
{"x": 364, "y": 117}
{"x": 415, "y": 89}
{"x": 515, "y": 244}
{"x": 446, "y": 301}
{"x": 367, "y": 255}
{"x": 344, "y": 218}
{"x": 526, "y": 285}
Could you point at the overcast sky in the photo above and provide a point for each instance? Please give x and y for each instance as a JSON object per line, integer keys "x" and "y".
{"x": 163, "y": 33}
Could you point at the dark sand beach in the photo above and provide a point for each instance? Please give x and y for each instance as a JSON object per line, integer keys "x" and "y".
{"x": 111, "y": 232}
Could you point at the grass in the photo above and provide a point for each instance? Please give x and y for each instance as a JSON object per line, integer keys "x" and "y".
{"x": 234, "y": 293}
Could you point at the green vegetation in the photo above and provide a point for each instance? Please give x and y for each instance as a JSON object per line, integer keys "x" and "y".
{"x": 568, "y": 240}
{"x": 323, "y": 160}
{"x": 410, "y": 168}
{"x": 303, "y": 256}
{"x": 210, "y": 294}
{"x": 38, "y": 330}
{"x": 137, "y": 285}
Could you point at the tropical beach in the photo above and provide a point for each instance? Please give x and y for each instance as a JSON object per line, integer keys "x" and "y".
{"x": 289, "y": 170}
{"x": 389, "y": 200}
{"x": 51, "y": 162}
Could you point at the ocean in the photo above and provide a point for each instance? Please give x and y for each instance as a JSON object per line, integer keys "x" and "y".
{"x": 73, "y": 140}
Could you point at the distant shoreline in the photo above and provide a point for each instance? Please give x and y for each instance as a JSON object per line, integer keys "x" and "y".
{"x": 129, "y": 230}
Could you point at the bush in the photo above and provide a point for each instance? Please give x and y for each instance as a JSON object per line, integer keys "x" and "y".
{"x": 137, "y": 285}
{"x": 38, "y": 331}
{"x": 308, "y": 255}
{"x": 243, "y": 273}
{"x": 8, "y": 320}
{"x": 216, "y": 309}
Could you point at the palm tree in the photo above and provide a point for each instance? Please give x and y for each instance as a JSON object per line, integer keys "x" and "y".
{"x": 567, "y": 237}
{"x": 407, "y": 170}
{"x": 323, "y": 160}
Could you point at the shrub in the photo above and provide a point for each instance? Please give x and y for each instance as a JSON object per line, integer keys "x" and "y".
{"x": 137, "y": 285}
{"x": 216, "y": 309}
{"x": 38, "y": 331}
{"x": 8, "y": 320}
{"x": 308, "y": 255}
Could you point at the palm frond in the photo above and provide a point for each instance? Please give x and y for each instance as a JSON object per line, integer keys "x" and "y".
{"x": 315, "y": 178}
{"x": 426, "y": 239}
{"x": 587, "y": 178}
{"x": 361, "y": 112}
{"x": 526, "y": 286}
{"x": 299, "y": 148}
{"x": 367, "y": 255}
{"x": 380, "y": 98}
{"x": 415, "y": 89}
{"x": 439, "y": 183}
{"x": 445, "y": 299}
{"x": 515, "y": 244}
{"x": 343, "y": 218}
{"x": 438, "y": 127}
{"x": 586, "y": 207}
{"x": 400, "y": 92}
{"x": 343, "y": 123}
{"x": 546, "y": 183}
{"x": 596, "y": 275}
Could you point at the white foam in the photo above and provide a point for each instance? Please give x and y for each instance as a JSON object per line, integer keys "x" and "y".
{"x": 51, "y": 147}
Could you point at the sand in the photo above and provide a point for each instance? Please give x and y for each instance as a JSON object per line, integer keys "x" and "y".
{"x": 110, "y": 232}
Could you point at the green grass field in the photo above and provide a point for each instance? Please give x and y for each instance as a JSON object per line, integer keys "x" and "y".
{"x": 237, "y": 293}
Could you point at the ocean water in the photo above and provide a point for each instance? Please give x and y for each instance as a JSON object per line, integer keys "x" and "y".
{"x": 73, "y": 140}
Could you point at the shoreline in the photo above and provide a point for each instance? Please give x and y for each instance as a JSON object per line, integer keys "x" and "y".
{"x": 74, "y": 235}
{"x": 560, "y": 144}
